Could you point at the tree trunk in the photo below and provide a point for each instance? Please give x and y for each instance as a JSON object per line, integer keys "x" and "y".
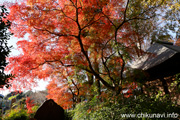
{"x": 165, "y": 86}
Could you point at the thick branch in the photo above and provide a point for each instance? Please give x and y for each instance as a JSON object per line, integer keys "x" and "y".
{"x": 107, "y": 69}
{"x": 122, "y": 67}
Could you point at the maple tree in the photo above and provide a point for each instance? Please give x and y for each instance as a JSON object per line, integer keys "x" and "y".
{"x": 29, "y": 105}
{"x": 83, "y": 46}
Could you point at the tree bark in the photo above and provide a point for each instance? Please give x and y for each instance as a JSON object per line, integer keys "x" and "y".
{"x": 165, "y": 86}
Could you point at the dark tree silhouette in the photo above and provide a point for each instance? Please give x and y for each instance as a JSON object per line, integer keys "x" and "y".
{"x": 4, "y": 48}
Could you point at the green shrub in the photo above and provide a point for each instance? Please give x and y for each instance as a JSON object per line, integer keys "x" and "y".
{"x": 68, "y": 115}
{"x": 34, "y": 109}
{"x": 113, "y": 110}
{"x": 16, "y": 114}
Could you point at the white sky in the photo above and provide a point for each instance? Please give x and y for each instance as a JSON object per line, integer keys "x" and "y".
{"x": 2, "y": 1}
{"x": 41, "y": 85}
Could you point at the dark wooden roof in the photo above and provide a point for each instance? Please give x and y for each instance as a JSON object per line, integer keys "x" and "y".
{"x": 49, "y": 110}
{"x": 163, "y": 61}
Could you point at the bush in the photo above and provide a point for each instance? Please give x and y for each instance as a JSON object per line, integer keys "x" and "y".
{"x": 34, "y": 109}
{"x": 113, "y": 110}
{"x": 16, "y": 114}
{"x": 68, "y": 115}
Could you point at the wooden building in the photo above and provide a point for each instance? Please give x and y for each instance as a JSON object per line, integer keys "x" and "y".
{"x": 162, "y": 61}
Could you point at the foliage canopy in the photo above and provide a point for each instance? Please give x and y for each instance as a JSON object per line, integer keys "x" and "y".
{"x": 83, "y": 46}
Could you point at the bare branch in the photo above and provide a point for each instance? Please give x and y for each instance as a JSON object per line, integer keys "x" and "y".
{"x": 54, "y": 33}
{"x": 107, "y": 69}
{"x": 51, "y": 61}
{"x": 126, "y": 10}
{"x": 67, "y": 16}
{"x": 109, "y": 20}
{"x": 73, "y": 3}
{"x": 91, "y": 22}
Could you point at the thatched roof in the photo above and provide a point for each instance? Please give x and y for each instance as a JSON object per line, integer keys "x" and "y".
{"x": 49, "y": 110}
{"x": 163, "y": 60}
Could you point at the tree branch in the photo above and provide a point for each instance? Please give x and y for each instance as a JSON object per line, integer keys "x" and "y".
{"x": 54, "y": 33}
{"x": 50, "y": 61}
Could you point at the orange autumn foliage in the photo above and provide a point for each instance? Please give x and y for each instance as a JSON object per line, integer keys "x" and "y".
{"x": 66, "y": 40}
{"x": 60, "y": 95}
{"x": 29, "y": 105}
